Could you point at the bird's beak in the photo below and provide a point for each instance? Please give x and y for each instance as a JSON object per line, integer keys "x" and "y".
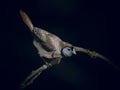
{"x": 74, "y": 52}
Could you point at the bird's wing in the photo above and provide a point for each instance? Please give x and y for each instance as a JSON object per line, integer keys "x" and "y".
{"x": 35, "y": 73}
{"x": 94, "y": 54}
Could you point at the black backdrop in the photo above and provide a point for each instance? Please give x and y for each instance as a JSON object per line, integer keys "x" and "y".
{"x": 89, "y": 24}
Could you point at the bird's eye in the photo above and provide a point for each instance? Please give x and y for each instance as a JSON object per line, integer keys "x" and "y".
{"x": 69, "y": 49}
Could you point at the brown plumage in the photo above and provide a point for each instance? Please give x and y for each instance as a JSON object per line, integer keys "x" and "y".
{"x": 52, "y": 47}
{"x": 49, "y": 45}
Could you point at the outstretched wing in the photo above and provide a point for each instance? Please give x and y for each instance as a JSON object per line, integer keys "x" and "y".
{"x": 35, "y": 73}
{"x": 94, "y": 54}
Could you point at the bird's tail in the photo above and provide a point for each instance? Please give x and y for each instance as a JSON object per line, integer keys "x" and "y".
{"x": 94, "y": 54}
{"x": 26, "y": 20}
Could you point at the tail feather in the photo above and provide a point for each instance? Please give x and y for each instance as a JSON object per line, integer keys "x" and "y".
{"x": 26, "y": 20}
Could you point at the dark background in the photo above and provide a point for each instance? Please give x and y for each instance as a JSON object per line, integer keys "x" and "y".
{"x": 92, "y": 24}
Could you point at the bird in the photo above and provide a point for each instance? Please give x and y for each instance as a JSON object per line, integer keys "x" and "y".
{"x": 52, "y": 47}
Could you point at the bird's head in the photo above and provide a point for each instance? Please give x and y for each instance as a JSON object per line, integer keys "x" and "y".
{"x": 68, "y": 51}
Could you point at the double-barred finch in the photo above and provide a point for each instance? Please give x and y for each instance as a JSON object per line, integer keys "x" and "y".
{"x": 52, "y": 47}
